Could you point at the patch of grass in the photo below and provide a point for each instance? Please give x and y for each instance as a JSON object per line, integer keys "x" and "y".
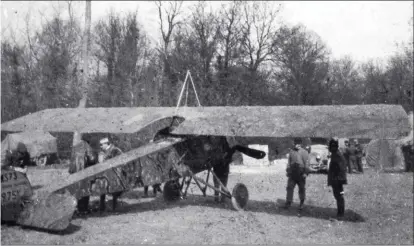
{"x": 379, "y": 210}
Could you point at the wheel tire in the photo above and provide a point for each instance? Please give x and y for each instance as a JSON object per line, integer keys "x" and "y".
{"x": 171, "y": 191}
{"x": 240, "y": 197}
{"x": 41, "y": 161}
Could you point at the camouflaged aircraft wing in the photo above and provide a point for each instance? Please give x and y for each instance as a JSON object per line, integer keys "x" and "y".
{"x": 351, "y": 121}
{"x": 148, "y": 165}
{"x": 92, "y": 120}
{"x": 378, "y": 121}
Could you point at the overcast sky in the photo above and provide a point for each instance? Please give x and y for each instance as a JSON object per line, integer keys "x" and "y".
{"x": 363, "y": 30}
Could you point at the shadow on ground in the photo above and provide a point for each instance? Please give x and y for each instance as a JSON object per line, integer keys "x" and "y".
{"x": 69, "y": 230}
{"x": 269, "y": 207}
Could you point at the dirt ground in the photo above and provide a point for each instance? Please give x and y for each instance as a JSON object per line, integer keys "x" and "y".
{"x": 379, "y": 210}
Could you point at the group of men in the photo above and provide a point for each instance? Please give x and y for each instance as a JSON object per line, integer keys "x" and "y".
{"x": 83, "y": 157}
{"x": 298, "y": 169}
{"x": 353, "y": 155}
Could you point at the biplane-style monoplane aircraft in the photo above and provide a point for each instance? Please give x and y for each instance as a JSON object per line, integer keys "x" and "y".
{"x": 186, "y": 141}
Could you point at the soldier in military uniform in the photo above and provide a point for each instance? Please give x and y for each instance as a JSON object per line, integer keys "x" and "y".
{"x": 359, "y": 154}
{"x": 337, "y": 175}
{"x": 108, "y": 151}
{"x": 351, "y": 152}
{"x": 221, "y": 162}
{"x": 82, "y": 157}
{"x": 297, "y": 170}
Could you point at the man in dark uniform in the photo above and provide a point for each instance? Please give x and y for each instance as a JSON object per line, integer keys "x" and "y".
{"x": 297, "y": 170}
{"x": 108, "y": 151}
{"x": 221, "y": 154}
{"x": 337, "y": 175}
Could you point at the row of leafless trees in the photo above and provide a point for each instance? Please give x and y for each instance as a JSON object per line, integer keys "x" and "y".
{"x": 239, "y": 55}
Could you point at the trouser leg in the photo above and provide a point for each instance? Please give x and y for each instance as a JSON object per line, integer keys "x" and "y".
{"x": 290, "y": 188}
{"x": 338, "y": 191}
{"x": 83, "y": 204}
{"x": 353, "y": 164}
{"x": 145, "y": 190}
{"x": 359, "y": 163}
{"x": 102, "y": 202}
{"x": 348, "y": 164}
{"x": 222, "y": 175}
{"x": 115, "y": 197}
{"x": 302, "y": 190}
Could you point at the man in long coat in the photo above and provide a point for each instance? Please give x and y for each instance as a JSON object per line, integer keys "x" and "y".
{"x": 108, "y": 151}
{"x": 337, "y": 176}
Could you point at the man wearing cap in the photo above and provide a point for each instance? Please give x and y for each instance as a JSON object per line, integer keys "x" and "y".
{"x": 337, "y": 176}
{"x": 108, "y": 151}
{"x": 297, "y": 170}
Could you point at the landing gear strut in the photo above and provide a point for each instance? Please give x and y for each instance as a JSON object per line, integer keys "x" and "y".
{"x": 173, "y": 190}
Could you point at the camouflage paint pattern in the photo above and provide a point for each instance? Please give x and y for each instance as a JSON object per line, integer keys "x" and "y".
{"x": 50, "y": 212}
{"x": 147, "y": 165}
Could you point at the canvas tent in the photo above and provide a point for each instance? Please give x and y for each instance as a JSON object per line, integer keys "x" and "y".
{"x": 37, "y": 143}
{"x": 388, "y": 155}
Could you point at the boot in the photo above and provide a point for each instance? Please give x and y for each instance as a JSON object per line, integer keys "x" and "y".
{"x": 287, "y": 205}
{"x": 145, "y": 191}
{"x": 301, "y": 205}
{"x": 341, "y": 209}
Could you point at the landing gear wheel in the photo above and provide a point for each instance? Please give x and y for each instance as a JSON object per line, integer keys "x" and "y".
{"x": 41, "y": 161}
{"x": 171, "y": 191}
{"x": 240, "y": 196}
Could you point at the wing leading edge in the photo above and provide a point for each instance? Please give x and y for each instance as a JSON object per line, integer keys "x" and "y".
{"x": 352, "y": 121}
{"x": 377, "y": 121}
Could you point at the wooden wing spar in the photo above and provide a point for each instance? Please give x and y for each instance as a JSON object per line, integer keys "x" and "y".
{"x": 351, "y": 121}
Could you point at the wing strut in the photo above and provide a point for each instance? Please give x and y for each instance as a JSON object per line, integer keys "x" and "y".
{"x": 185, "y": 85}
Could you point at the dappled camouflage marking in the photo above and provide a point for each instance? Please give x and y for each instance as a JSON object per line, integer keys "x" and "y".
{"x": 122, "y": 172}
{"x": 351, "y": 121}
{"x": 53, "y": 212}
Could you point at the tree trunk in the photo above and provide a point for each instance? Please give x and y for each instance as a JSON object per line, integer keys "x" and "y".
{"x": 85, "y": 50}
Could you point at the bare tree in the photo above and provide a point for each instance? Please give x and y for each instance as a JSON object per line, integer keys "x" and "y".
{"x": 168, "y": 16}
{"x": 258, "y": 26}
{"x": 302, "y": 60}
{"x": 207, "y": 31}
{"x": 344, "y": 85}
{"x": 85, "y": 52}
{"x": 230, "y": 33}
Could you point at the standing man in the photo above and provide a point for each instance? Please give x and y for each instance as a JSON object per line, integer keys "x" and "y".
{"x": 82, "y": 157}
{"x": 337, "y": 176}
{"x": 352, "y": 157}
{"x": 297, "y": 170}
{"x": 108, "y": 151}
{"x": 344, "y": 151}
{"x": 221, "y": 154}
{"x": 359, "y": 153}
